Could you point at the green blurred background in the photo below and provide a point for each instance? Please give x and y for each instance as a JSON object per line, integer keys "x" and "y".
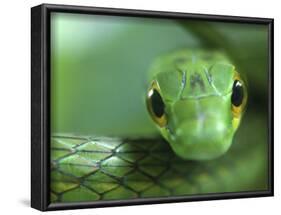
{"x": 99, "y": 67}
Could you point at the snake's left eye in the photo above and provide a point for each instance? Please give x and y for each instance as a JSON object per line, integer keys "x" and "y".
{"x": 238, "y": 97}
{"x": 155, "y": 105}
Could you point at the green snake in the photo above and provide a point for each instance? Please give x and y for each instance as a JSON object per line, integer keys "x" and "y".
{"x": 86, "y": 168}
{"x": 196, "y": 98}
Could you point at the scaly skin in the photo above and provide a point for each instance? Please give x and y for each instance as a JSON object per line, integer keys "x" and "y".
{"x": 87, "y": 168}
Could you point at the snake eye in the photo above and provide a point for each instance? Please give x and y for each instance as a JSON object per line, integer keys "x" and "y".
{"x": 155, "y": 105}
{"x": 238, "y": 97}
{"x": 237, "y": 93}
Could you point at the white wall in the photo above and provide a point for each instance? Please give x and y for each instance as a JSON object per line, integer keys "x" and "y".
{"x": 15, "y": 104}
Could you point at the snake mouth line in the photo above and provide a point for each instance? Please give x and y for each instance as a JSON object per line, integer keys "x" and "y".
{"x": 171, "y": 132}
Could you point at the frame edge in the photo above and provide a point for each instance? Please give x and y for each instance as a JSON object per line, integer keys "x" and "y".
{"x": 38, "y": 110}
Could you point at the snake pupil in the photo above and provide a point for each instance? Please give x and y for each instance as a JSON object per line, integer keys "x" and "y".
{"x": 157, "y": 104}
{"x": 237, "y": 93}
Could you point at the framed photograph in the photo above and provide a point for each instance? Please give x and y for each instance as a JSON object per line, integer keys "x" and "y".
{"x": 142, "y": 107}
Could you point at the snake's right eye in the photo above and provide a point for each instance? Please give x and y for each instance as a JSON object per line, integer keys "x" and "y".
{"x": 238, "y": 97}
{"x": 155, "y": 105}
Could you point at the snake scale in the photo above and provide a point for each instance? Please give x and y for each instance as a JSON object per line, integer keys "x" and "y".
{"x": 86, "y": 168}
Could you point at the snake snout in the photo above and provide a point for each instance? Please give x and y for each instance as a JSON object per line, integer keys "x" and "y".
{"x": 206, "y": 138}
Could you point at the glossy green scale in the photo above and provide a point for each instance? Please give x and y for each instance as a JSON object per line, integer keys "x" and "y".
{"x": 196, "y": 98}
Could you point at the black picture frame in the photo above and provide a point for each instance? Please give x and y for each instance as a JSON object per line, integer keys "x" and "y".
{"x": 40, "y": 104}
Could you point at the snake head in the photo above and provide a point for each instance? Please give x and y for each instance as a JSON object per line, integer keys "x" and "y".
{"x": 197, "y": 106}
